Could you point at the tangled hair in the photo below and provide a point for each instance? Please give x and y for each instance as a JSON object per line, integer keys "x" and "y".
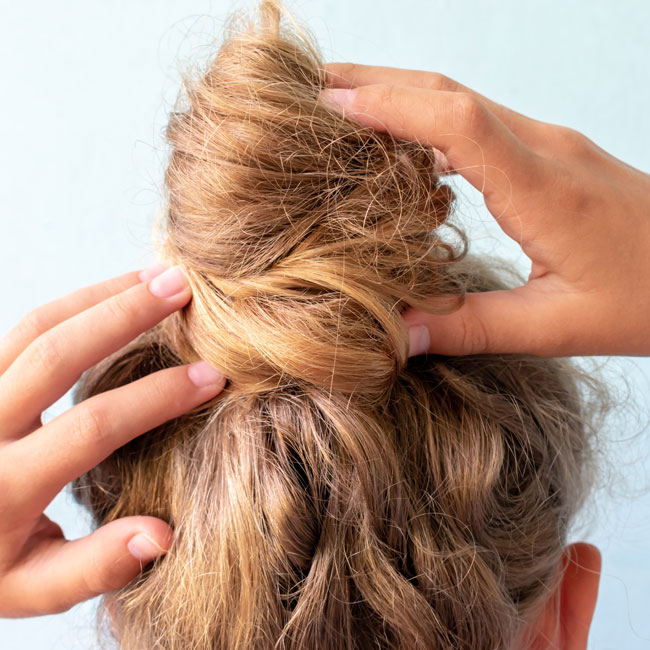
{"x": 337, "y": 495}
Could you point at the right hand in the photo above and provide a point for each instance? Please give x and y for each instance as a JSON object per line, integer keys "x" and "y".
{"x": 581, "y": 216}
{"x": 40, "y": 360}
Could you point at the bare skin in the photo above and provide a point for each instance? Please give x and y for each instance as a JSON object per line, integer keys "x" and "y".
{"x": 580, "y": 215}
{"x": 40, "y": 360}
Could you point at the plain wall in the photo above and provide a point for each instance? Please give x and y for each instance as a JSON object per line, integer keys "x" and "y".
{"x": 86, "y": 89}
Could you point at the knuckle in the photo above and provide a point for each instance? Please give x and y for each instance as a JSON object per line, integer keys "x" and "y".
{"x": 570, "y": 140}
{"x": 385, "y": 102}
{"x": 375, "y": 95}
{"x": 33, "y": 324}
{"x": 344, "y": 68}
{"x": 473, "y": 336}
{"x": 46, "y": 352}
{"x": 439, "y": 81}
{"x": 100, "y": 577}
{"x": 90, "y": 424}
{"x": 576, "y": 198}
{"x": 469, "y": 113}
{"x": 121, "y": 307}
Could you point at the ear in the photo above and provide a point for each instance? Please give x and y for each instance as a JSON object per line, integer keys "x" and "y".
{"x": 579, "y": 593}
{"x": 565, "y": 619}
{"x": 109, "y": 607}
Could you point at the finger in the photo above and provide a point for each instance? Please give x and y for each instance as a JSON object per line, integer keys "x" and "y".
{"x": 53, "y": 362}
{"x": 63, "y": 573}
{"x": 507, "y": 321}
{"x": 39, "y": 465}
{"x": 476, "y": 143}
{"x": 44, "y": 317}
{"x": 350, "y": 75}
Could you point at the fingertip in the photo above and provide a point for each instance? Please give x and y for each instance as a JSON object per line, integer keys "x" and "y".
{"x": 169, "y": 283}
{"x": 419, "y": 340}
{"x": 338, "y": 98}
{"x": 203, "y": 375}
{"x": 145, "y": 548}
{"x": 106, "y": 560}
{"x": 152, "y": 271}
{"x": 337, "y": 74}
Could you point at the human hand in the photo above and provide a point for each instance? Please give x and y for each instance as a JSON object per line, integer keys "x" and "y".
{"x": 581, "y": 216}
{"x": 40, "y": 360}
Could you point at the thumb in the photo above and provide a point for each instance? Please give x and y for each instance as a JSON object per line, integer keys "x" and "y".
{"x": 106, "y": 560}
{"x": 504, "y": 321}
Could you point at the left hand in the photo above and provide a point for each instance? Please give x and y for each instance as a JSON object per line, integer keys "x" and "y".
{"x": 40, "y": 360}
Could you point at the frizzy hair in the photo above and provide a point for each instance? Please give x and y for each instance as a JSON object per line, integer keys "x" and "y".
{"x": 337, "y": 495}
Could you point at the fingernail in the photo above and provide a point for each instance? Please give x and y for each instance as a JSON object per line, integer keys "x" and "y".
{"x": 337, "y": 97}
{"x": 152, "y": 271}
{"x": 202, "y": 374}
{"x": 144, "y": 548}
{"x": 419, "y": 340}
{"x": 169, "y": 283}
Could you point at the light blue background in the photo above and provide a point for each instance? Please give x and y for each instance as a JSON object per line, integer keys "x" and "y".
{"x": 86, "y": 88}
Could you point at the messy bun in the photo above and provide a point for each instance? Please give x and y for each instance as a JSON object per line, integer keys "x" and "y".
{"x": 336, "y": 495}
{"x": 302, "y": 234}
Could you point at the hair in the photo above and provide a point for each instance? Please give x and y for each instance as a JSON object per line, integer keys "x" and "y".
{"x": 337, "y": 495}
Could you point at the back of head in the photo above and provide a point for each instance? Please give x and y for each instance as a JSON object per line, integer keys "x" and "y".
{"x": 337, "y": 495}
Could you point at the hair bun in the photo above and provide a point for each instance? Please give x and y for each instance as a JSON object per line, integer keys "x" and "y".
{"x": 303, "y": 233}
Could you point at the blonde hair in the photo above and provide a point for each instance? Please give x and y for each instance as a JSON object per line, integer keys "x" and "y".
{"x": 337, "y": 495}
